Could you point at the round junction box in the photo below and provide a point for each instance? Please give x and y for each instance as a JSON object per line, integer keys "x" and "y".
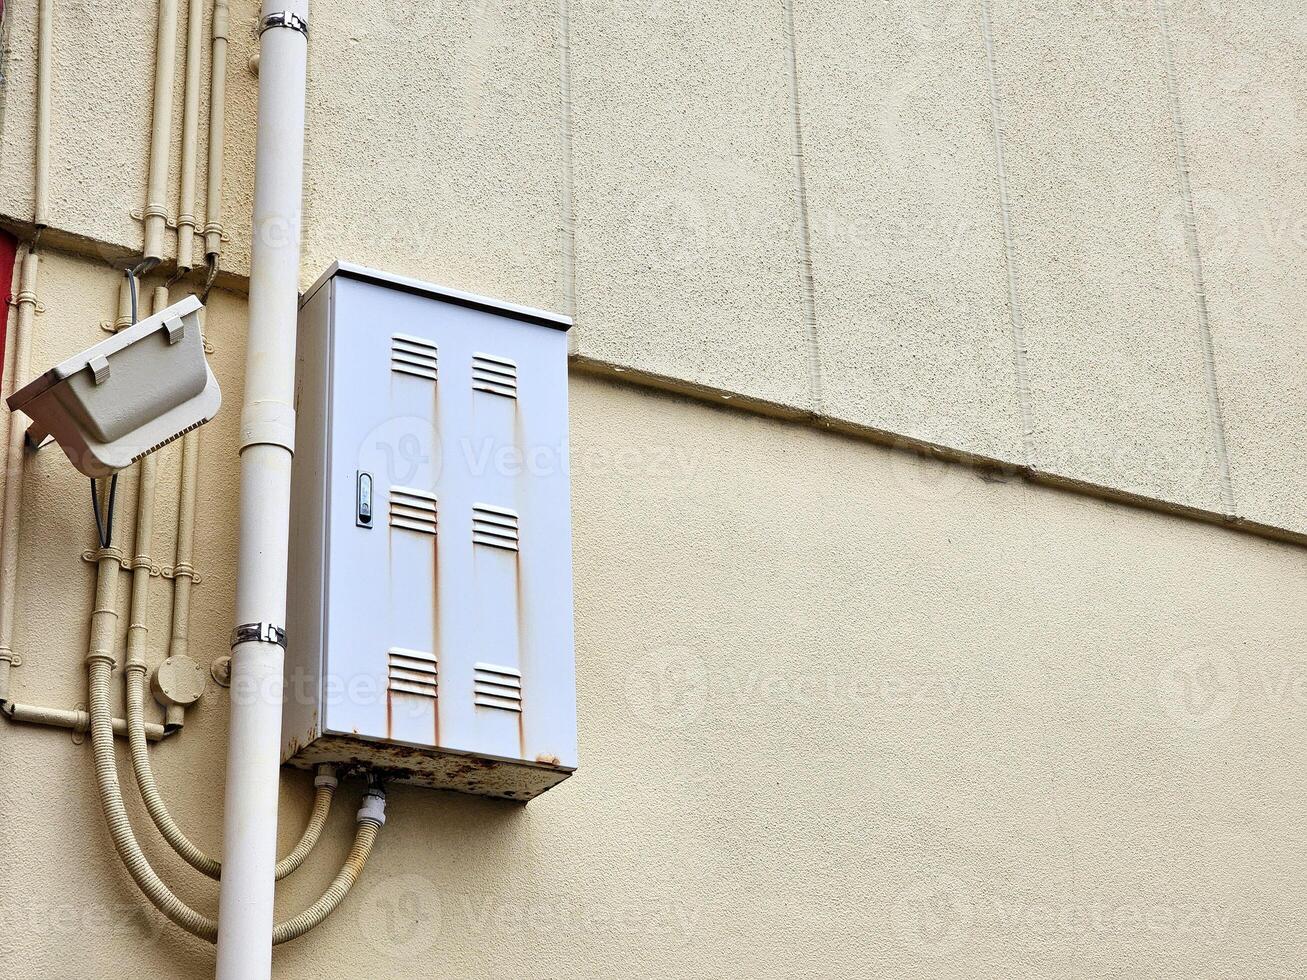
{"x": 178, "y": 681}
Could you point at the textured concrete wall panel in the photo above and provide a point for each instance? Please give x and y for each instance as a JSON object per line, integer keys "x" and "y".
{"x": 1239, "y": 77}
{"x": 911, "y": 288}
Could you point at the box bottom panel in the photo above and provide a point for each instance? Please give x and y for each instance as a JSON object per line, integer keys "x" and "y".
{"x": 473, "y": 774}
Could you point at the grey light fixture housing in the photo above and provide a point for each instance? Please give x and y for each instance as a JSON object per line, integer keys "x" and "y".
{"x": 128, "y": 395}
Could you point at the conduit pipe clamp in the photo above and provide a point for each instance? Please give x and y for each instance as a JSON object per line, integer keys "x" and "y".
{"x": 258, "y": 632}
{"x": 285, "y": 18}
{"x": 268, "y": 423}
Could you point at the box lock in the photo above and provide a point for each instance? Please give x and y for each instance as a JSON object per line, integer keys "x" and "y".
{"x": 363, "y": 499}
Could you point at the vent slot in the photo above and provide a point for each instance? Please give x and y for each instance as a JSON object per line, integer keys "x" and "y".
{"x": 497, "y": 375}
{"x": 412, "y": 672}
{"x": 413, "y": 510}
{"x": 413, "y": 356}
{"x": 494, "y": 526}
{"x": 159, "y": 445}
{"x": 497, "y": 687}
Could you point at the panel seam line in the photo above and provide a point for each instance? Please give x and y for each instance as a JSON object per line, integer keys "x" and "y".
{"x": 1020, "y": 349}
{"x": 1216, "y": 415}
{"x": 567, "y": 229}
{"x": 812, "y": 341}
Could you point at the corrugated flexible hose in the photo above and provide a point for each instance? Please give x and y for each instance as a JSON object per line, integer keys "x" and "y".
{"x": 364, "y": 838}
{"x": 158, "y": 809}
{"x": 100, "y": 663}
{"x": 115, "y": 814}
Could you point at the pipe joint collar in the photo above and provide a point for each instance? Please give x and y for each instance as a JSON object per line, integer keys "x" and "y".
{"x": 220, "y": 20}
{"x": 285, "y": 18}
{"x": 258, "y": 633}
{"x": 268, "y": 423}
{"x": 326, "y": 777}
{"x": 373, "y": 808}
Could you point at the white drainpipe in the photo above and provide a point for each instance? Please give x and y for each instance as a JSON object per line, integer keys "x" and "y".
{"x": 245, "y": 913}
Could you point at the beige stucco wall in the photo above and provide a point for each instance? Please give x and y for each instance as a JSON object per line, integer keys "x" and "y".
{"x": 963, "y": 224}
{"x": 844, "y": 711}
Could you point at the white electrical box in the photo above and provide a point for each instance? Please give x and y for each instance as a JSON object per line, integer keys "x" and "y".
{"x": 429, "y": 629}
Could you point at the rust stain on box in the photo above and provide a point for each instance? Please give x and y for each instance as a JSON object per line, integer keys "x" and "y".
{"x": 478, "y": 775}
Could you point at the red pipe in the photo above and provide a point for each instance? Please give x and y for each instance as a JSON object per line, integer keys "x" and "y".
{"x": 8, "y": 253}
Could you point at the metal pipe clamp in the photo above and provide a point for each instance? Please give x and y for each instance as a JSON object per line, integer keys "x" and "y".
{"x": 260, "y": 633}
{"x": 285, "y": 18}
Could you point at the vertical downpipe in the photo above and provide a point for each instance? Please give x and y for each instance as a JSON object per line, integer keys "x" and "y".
{"x": 245, "y": 912}
{"x": 217, "y": 109}
{"x": 190, "y": 135}
{"x": 8, "y": 263}
{"x": 25, "y": 301}
{"x": 44, "y": 68}
{"x": 15, "y": 459}
{"x": 156, "y": 213}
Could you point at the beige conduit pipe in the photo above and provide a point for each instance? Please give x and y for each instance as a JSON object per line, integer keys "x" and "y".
{"x": 183, "y": 570}
{"x": 137, "y": 627}
{"x": 136, "y": 667}
{"x": 44, "y": 67}
{"x": 14, "y": 461}
{"x": 190, "y": 136}
{"x": 364, "y": 837}
{"x": 165, "y": 61}
{"x": 26, "y": 303}
{"x": 217, "y": 105}
{"x": 100, "y": 663}
{"x": 325, "y": 783}
{"x": 72, "y": 719}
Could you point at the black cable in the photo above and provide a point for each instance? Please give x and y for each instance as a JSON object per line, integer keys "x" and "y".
{"x": 131, "y": 286}
{"x": 211, "y": 273}
{"x": 104, "y": 525}
{"x": 95, "y": 509}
